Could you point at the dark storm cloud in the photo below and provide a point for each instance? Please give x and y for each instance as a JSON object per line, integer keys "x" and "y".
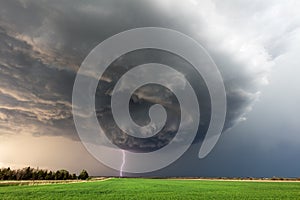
{"x": 43, "y": 45}
{"x": 35, "y": 97}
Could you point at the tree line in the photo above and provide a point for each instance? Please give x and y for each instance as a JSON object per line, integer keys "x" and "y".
{"x": 29, "y": 173}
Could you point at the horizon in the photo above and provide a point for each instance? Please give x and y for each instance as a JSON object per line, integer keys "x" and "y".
{"x": 49, "y": 49}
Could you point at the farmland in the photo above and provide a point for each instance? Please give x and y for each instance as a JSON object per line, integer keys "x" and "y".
{"x": 139, "y": 188}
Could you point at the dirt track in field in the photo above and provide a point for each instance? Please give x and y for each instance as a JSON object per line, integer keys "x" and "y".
{"x": 44, "y": 182}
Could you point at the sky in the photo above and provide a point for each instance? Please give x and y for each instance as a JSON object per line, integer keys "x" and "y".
{"x": 254, "y": 44}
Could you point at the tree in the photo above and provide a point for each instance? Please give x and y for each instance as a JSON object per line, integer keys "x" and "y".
{"x": 61, "y": 174}
{"x": 83, "y": 175}
{"x": 74, "y": 176}
{"x": 29, "y": 173}
{"x": 49, "y": 176}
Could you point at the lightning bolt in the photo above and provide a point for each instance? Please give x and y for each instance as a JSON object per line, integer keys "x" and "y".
{"x": 123, "y": 163}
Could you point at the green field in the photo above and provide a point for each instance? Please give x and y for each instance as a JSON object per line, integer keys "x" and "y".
{"x": 134, "y": 188}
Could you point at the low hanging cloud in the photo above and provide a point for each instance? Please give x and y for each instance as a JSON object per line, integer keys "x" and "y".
{"x": 42, "y": 45}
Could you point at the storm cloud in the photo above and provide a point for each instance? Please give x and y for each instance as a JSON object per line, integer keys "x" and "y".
{"x": 42, "y": 44}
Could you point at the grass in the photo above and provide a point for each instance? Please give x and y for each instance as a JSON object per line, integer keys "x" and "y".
{"x": 138, "y": 188}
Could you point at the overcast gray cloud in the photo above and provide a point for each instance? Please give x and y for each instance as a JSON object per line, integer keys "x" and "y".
{"x": 70, "y": 30}
{"x": 42, "y": 44}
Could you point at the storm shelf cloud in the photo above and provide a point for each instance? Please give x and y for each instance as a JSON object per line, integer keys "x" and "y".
{"x": 42, "y": 45}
